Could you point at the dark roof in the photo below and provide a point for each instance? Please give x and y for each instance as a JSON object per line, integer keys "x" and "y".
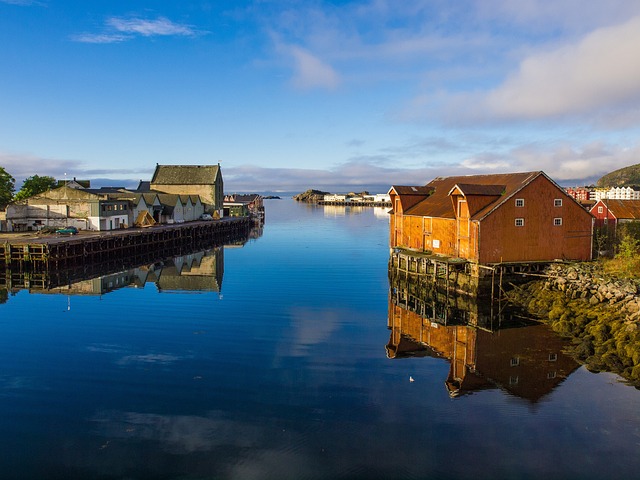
{"x": 143, "y": 186}
{"x": 169, "y": 199}
{"x": 185, "y": 174}
{"x": 112, "y": 193}
{"x": 107, "y": 190}
{"x": 438, "y": 204}
{"x": 407, "y": 190}
{"x": 485, "y": 190}
{"x": 246, "y": 197}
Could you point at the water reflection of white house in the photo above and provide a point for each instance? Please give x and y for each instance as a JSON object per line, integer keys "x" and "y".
{"x": 381, "y": 212}
{"x": 333, "y": 211}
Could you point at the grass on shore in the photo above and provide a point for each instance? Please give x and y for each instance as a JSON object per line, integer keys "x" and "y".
{"x": 622, "y": 267}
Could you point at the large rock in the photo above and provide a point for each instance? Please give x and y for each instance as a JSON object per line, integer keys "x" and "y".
{"x": 310, "y": 196}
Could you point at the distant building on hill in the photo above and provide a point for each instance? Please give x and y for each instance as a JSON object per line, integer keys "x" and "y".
{"x": 579, "y": 193}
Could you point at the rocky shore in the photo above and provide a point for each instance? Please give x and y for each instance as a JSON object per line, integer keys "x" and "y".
{"x": 600, "y": 313}
{"x": 310, "y": 196}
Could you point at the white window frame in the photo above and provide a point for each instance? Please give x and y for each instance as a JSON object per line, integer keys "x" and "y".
{"x": 519, "y": 222}
{"x": 557, "y": 222}
{"x": 600, "y": 209}
{"x": 519, "y": 202}
{"x": 557, "y": 202}
{"x": 515, "y": 361}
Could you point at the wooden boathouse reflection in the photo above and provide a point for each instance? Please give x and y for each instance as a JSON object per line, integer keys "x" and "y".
{"x": 485, "y": 349}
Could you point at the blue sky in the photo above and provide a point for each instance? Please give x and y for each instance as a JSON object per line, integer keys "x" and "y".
{"x": 290, "y": 95}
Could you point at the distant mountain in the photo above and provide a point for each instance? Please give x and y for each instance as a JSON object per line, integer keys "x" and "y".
{"x": 625, "y": 177}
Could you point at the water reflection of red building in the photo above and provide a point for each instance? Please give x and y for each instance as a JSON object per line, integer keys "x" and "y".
{"x": 526, "y": 361}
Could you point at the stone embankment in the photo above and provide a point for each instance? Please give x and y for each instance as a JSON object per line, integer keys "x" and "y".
{"x": 599, "y": 313}
{"x": 588, "y": 282}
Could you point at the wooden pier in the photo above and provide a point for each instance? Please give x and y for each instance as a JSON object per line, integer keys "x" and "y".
{"x": 354, "y": 204}
{"x": 55, "y": 252}
{"x": 461, "y": 275}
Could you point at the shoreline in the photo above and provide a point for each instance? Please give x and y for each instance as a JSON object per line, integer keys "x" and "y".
{"x": 600, "y": 313}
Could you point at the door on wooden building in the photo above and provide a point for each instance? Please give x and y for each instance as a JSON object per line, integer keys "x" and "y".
{"x": 462, "y": 228}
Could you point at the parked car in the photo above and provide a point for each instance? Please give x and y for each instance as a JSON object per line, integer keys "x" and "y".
{"x": 206, "y": 216}
{"x": 67, "y": 231}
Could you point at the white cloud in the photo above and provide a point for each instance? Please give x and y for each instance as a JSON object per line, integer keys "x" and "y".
{"x": 561, "y": 161}
{"x": 311, "y": 72}
{"x": 179, "y": 434}
{"x": 542, "y": 14}
{"x": 599, "y": 72}
{"x": 119, "y": 29}
{"x": 22, "y": 166}
{"x": 99, "y": 38}
{"x": 148, "y": 28}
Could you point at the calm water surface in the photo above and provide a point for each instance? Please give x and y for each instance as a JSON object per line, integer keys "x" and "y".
{"x": 283, "y": 368}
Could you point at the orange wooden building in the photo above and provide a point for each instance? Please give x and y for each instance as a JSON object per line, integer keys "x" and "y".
{"x": 515, "y": 217}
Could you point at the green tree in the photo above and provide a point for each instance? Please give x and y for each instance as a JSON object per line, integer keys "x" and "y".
{"x": 629, "y": 243}
{"x": 7, "y": 186}
{"x": 35, "y": 185}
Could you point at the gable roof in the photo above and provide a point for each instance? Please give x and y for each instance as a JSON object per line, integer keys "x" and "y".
{"x": 170, "y": 199}
{"x": 622, "y": 209}
{"x": 500, "y": 186}
{"x": 149, "y": 198}
{"x": 75, "y": 183}
{"x": 185, "y": 174}
{"x": 409, "y": 196}
{"x": 408, "y": 190}
{"x": 66, "y": 193}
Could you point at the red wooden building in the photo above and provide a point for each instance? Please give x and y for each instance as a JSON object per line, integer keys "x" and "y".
{"x": 515, "y": 217}
{"x": 611, "y": 212}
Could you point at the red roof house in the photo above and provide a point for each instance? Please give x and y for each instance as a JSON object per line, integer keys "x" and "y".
{"x": 611, "y": 212}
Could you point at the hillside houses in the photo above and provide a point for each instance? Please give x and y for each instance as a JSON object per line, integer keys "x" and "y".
{"x": 516, "y": 217}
